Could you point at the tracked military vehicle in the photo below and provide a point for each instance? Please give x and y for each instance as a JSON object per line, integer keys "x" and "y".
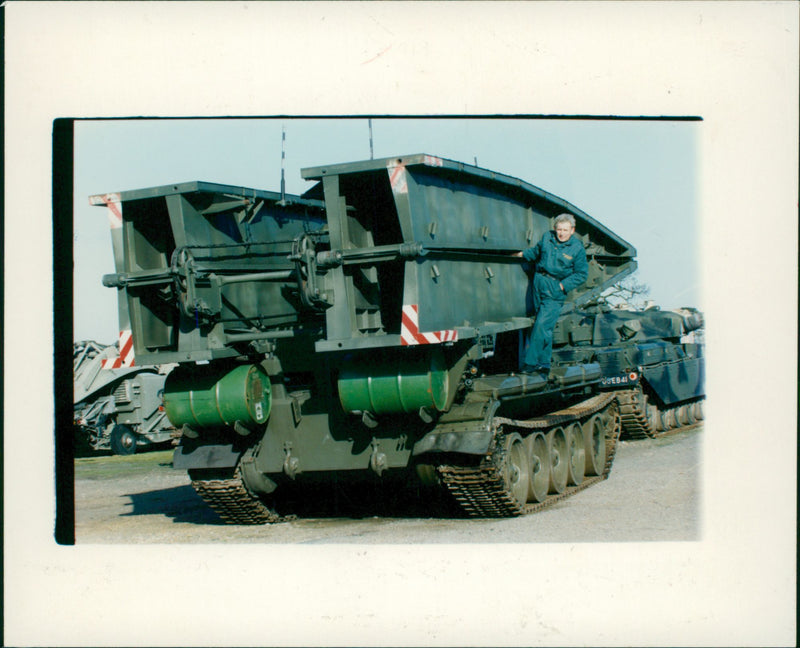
{"x": 117, "y": 405}
{"x": 369, "y": 330}
{"x": 650, "y": 357}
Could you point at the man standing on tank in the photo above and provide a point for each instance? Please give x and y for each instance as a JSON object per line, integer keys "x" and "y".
{"x": 561, "y": 265}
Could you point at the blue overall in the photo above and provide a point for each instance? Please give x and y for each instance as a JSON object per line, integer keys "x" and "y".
{"x": 556, "y": 263}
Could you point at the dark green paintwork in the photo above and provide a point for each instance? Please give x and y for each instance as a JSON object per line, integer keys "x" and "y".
{"x": 218, "y": 398}
{"x": 394, "y": 385}
{"x": 467, "y": 220}
{"x": 312, "y": 289}
{"x": 649, "y": 341}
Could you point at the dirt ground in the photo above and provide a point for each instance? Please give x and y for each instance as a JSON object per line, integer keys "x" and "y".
{"x": 652, "y": 494}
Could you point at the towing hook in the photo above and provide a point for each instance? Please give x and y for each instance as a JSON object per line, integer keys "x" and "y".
{"x": 377, "y": 460}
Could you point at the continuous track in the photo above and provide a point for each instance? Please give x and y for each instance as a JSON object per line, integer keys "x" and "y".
{"x": 633, "y": 413}
{"x": 481, "y": 490}
{"x": 639, "y": 423}
{"x": 231, "y": 500}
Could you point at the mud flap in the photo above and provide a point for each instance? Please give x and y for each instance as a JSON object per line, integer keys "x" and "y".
{"x": 475, "y": 442}
{"x": 205, "y": 456}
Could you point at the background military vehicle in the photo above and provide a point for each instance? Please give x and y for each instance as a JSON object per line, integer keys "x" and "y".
{"x": 368, "y": 330}
{"x": 117, "y": 405}
{"x": 651, "y": 358}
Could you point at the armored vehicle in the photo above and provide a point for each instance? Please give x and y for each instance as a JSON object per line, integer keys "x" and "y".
{"x": 370, "y": 330}
{"x": 117, "y": 405}
{"x": 652, "y": 358}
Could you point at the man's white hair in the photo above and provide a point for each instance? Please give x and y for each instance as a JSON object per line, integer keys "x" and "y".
{"x": 564, "y": 218}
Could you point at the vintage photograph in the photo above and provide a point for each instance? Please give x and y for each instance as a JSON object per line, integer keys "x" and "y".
{"x": 393, "y": 325}
{"x": 384, "y": 323}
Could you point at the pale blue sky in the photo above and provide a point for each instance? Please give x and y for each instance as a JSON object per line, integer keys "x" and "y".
{"x": 639, "y": 178}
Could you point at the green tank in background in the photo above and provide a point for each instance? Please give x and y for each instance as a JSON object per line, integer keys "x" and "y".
{"x": 654, "y": 359}
{"x": 368, "y": 331}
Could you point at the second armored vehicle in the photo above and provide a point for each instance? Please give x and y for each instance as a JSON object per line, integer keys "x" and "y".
{"x": 117, "y": 406}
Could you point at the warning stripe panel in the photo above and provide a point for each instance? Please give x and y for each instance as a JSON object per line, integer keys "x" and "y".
{"x": 126, "y": 357}
{"x": 411, "y": 335}
{"x": 126, "y": 346}
{"x": 397, "y": 178}
{"x": 112, "y": 201}
{"x": 103, "y": 199}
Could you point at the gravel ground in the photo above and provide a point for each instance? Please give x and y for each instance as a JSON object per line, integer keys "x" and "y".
{"x": 652, "y": 494}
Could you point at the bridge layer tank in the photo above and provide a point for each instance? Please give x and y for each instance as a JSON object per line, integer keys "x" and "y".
{"x": 384, "y": 313}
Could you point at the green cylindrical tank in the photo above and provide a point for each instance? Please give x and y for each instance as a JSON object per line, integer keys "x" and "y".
{"x": 394, "y": 384}
{"x": 216, "y": 398}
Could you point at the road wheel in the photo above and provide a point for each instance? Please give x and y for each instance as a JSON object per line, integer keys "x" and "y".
{"x": 540, "y": 469}
{"x": 653, "y": 417}
{"x": 516, "y": 469}
{"x": 594, "y": 440}
{"x": 123, "y": 440}
{"x": 670, "y": 419}
{"x": 559, "y": 459}
{"x": 577, "y": 455}
{"x": 661, "y": 421}
{"x": 686, "y": 415}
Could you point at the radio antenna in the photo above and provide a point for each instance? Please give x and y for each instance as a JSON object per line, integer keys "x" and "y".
{"x": 371, "y": 156}
{"x": 283, "y": 162}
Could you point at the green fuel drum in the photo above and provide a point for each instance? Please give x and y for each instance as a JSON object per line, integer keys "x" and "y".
{"x": 394, "y": 385}
{"x": 202, "y": 399}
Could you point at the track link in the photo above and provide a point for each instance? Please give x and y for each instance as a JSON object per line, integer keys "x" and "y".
{"x": 480, "y": 490}
{"x": 635, "y": 422}
{"x": 231, "y": 500}
{"x": 633, "y": 412}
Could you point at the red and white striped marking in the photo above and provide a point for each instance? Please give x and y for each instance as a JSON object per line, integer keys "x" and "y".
{"x": 411, "y": 335}
{"x": 397, "y": 177}
{"x": 112, "y": 201}
{"x": 125, "y": 358}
